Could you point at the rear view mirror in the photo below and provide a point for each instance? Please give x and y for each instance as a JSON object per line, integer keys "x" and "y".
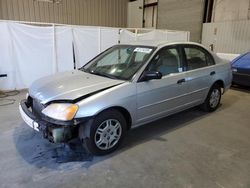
{"x": 151, "y": 75}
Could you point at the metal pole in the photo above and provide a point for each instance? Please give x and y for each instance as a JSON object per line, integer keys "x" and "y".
{"x": 55, "y": 64}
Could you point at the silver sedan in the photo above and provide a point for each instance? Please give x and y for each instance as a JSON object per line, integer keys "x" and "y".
{"x": 124, "y": 87}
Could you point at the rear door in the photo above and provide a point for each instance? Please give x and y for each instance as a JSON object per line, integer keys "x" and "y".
{"x": 200, "y": 69}
{"x": 158, "y": 98}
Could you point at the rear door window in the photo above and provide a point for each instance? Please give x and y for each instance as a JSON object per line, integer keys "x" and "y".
{"x": 197, "y": 58}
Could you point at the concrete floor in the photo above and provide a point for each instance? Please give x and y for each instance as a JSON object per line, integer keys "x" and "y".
{"x": 188, "y": 150}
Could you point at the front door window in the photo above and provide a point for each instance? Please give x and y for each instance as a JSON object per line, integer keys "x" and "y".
{"x": 166, "y": 61}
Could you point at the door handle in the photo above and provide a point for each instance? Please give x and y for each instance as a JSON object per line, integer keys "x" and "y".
{"x": 212, "y": 73}
{"x": 181, "y": 81}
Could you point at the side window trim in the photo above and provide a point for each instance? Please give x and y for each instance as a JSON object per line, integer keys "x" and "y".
{"x": 182, "y": 57}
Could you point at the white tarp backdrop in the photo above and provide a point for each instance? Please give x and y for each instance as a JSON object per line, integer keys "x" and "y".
{"x": 29, "y": 52}
{"x": 64, "y": 49}
{"x": 6, "y": 65}
{"x": 156, "y": 35}
{"x": 109, "y": 37}
{"x": 127, "y": 36}
{"x": 32, "y": 53}
{"x": 86, "y": 44}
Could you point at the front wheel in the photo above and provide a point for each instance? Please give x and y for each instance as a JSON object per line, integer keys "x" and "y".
{"x": 212, "y": 101}
{"x": 106, "y": 133}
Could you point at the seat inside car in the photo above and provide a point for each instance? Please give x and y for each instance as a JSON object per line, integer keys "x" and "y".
{"x": 167, "y": 63}
{"x": 195, "y": 63}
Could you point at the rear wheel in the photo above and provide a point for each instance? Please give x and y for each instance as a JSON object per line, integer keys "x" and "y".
{"x": 212, "y": 101}
{"x": 106, "y": 133}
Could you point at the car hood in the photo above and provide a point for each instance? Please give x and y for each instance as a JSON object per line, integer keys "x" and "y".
{"x": 69, "y": 86}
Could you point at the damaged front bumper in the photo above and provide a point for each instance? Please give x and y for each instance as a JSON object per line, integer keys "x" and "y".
{"x": 53, "y": 130}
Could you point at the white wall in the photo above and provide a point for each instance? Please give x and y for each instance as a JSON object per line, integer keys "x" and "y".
{"x": 111, "y": 13}
{"x": 150, "y": 14}
{"x": 185, "y": 15}
{"x": 227, "y": 37}
{"x": 228, "y": 57}
{"x": 135, "y": 14}
{"x": 231, "y": 10}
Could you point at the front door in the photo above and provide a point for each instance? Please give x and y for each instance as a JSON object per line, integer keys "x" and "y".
{"x": 158, "y": 98}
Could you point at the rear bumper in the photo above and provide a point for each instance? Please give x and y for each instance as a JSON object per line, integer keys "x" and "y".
{"x": 53, "y": 130}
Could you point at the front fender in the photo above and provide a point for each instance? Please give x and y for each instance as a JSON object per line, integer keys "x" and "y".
{"x": 123, "y": 95}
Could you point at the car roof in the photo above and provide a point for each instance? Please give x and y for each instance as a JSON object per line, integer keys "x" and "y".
{"x": 158, "y": 44}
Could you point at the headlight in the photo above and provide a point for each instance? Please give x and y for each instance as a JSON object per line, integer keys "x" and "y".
{"x": 61, "y": 111}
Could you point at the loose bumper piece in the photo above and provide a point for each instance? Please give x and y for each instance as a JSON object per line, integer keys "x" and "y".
{"x": 53, "y": 132}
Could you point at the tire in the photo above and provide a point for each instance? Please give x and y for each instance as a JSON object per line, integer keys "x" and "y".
{"x": 105, "y": 133}
{"x": 212, "y": 101}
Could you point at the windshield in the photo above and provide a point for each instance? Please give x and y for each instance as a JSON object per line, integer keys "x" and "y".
{"x": 119, "y": 62}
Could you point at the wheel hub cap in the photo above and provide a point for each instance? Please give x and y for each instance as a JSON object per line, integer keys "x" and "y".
{"x": 108, "y": 134}
{"x": 214, "y": 98}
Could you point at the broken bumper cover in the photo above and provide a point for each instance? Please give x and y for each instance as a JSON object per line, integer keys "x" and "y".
{"x": 53, "y": 130}
{"x": 27, "y": 116}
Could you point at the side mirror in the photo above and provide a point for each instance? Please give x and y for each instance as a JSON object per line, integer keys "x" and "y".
{"x": 151, "y": 75}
